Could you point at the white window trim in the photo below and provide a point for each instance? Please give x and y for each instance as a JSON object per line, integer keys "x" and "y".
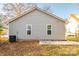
{"x": 48, "y": 29}
{"x": 28, "y": 29}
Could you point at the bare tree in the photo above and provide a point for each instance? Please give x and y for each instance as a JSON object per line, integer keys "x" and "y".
{"x": 47, "y": 7}
{"x": 1, "y": 26}
{"x": 16, "y": 9}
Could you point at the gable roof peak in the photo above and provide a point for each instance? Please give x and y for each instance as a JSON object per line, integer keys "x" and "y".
{"x": 42, "y": 10}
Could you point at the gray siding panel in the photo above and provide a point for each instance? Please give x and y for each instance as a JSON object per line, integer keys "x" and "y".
{"x": 38, "y": 20}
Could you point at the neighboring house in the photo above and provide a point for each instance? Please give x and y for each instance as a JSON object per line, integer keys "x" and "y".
{"x": 38, "y": 24}
{"x": 73, "y": 25}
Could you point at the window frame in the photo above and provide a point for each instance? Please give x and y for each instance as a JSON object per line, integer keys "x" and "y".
{"x": 47, "y": 29}
{"x": 28, "y": 29}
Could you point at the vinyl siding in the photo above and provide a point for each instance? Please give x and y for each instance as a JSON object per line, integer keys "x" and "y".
{"x": 39, "y": 21}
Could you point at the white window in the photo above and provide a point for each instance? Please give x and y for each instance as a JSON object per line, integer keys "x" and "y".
{"x": 49, "y": 28}
{"x": 28, "y": 29}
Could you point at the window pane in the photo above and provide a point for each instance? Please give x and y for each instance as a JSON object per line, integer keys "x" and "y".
{"x": 28, "y": 32}
{"x": 49, "y": 32}
{"x": 29, "y": 27}
{"x": 49, "y": 26}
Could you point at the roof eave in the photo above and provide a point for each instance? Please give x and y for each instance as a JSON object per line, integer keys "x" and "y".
{"x": 45, "y": 11}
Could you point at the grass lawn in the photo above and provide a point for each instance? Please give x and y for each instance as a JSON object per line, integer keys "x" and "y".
{"x": 32, "y": 48}
{"x": 72, "y": 38}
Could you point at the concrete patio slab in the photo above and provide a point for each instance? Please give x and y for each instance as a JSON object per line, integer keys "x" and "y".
{"x": 59, "y": 42}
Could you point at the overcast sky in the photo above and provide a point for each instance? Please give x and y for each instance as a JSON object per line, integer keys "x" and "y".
{"x": 62, "y": 10}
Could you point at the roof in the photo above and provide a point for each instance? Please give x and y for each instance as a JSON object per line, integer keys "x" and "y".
{"x": 36, "y": 8}
{"x": 76, "y": 16}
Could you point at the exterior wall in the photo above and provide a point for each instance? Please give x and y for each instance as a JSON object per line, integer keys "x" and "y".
{"x": 71, "y": 26}
{"x": 39, "y": 20}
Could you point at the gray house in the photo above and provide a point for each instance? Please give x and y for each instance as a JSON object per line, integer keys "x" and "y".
{"x": 37, "y": 24}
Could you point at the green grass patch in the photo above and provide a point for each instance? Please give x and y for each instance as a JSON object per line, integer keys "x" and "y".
{"x": 72, "y": 38}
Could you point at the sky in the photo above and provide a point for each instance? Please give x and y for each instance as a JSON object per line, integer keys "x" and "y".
{"x": 62, "y": 10}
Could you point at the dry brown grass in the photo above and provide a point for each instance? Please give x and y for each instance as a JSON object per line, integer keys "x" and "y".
{"x": 32, "y": 48}
{"x": 3, "y": 39}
